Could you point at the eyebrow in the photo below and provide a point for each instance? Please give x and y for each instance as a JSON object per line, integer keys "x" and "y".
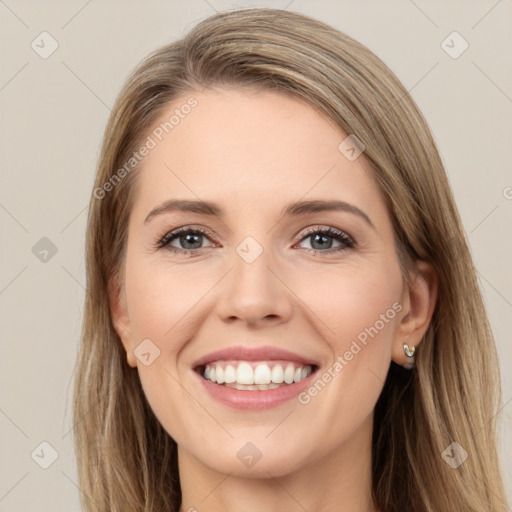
{"x": 294, "y": 208}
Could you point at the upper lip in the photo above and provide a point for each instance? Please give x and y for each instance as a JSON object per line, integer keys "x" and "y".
{"x": 244, "y": 353}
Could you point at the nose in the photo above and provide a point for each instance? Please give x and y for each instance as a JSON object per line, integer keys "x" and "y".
{"x": 254, "y": 292}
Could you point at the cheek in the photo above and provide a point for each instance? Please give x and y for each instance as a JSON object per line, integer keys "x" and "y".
{"x": 357, "y": 313}
{"x": 160, "y": 308}
{"x": 351, "y": 303}
{"x": 362, "y": 309}
{"x": 161, "y": 299}
{"x": 164, "y": 307}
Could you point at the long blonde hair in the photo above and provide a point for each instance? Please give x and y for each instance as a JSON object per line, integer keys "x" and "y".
{"x": 126, "y": 460}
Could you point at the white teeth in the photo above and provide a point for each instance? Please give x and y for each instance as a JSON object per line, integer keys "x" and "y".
{"x": 261, "y": 387}
{"x": 229, "y": 374}
{"x": 244, "y": 374}
{"x": 288, "y": 374}
{"x": 253, "y": 387}
{"x": 255, "y": 376}
{"x": 277, "y": 374}
{"x": 250, "y": 387}
{"x": 262, "y": 374}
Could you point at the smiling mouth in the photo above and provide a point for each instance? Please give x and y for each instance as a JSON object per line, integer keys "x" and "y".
{"x": 255, "y": 375}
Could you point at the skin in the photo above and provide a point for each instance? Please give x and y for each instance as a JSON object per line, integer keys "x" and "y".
{"x": 238, "y": 148}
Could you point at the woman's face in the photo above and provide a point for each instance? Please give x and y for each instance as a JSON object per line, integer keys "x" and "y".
{"x": 261, "y": 283}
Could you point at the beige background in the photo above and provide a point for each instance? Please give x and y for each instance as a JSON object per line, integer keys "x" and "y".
{"x": 53, "y": 112}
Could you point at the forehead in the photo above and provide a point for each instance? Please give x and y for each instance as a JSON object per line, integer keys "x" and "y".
{"x": 249, "y": 148}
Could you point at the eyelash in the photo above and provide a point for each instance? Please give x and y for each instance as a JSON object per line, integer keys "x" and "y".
{"x": 330, "y": 232}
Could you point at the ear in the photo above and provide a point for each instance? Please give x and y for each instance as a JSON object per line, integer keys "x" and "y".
{"x": 120, "y": 318}
{"x": 419, "y": 301}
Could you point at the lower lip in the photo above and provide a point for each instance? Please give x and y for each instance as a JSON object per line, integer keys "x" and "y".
{"x": 254, "y": 400}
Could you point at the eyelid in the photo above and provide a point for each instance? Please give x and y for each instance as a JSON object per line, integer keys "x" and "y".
{"x": 331, "y": 232}
{"x": 323, "y": 227}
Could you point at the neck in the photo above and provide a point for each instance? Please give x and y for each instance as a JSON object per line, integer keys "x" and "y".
{"x": 341, "y": 481}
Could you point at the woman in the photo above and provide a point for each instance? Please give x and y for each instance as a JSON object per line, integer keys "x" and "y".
{"x": 321, "y": 348}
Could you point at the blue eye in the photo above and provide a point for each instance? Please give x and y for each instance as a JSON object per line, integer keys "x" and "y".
{"x": 191, "y": 240}
{"x": 320, "y": 238}
{"x": 185, "y": 236}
